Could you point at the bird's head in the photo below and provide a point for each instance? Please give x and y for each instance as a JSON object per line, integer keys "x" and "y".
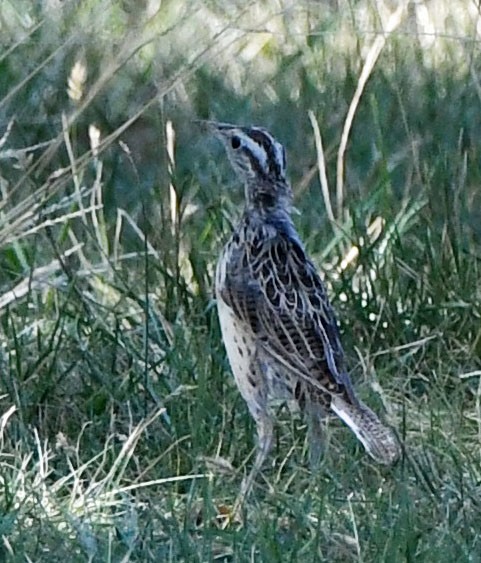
{"x": 258, "y": 159}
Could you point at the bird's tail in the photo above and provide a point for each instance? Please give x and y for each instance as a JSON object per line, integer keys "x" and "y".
{"x": 379, "y": 440}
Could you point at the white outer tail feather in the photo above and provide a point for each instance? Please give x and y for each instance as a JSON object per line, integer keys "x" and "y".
{"x": 378, "y": 440}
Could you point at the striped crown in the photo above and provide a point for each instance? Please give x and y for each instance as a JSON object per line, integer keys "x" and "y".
{"x": 259, "y": 160}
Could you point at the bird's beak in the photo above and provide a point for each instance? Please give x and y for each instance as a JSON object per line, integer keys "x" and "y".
{"x": 205, "y": 125}
{"x": 214, "y": 127}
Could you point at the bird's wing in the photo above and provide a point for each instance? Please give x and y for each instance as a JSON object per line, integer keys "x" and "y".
{"x": 275, "y": 289}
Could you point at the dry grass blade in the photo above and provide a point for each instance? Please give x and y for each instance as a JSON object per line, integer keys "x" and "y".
{"x": 392, "y": 23}
{"x": 321, "y": 164}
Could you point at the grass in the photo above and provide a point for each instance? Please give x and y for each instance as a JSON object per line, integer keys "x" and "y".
{"x": 123, "y": 437}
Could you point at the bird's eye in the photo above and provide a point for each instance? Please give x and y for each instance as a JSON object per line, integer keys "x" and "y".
{"x": 235, "y": 142}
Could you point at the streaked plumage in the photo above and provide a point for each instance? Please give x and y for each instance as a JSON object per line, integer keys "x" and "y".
{"x": 278, "y": 327}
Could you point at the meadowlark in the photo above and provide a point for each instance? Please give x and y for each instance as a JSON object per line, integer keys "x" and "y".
{"x": 278, "y": 327}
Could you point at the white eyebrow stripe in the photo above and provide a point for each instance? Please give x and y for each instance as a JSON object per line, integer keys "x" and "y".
{"x": 256, "y": 150}
{"x": 280, "y": 155}
{"x": 275, "y": 155}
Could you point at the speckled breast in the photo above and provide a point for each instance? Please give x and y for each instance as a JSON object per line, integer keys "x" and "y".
{"x": 238, "y": 339}
{"x": 240, "y": 345}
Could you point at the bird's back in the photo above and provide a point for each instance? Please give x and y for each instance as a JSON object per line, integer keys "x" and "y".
{"x": 269, "y": 290}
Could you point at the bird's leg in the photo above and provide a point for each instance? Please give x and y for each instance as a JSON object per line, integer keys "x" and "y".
{"x": 265, "y": 434}
{"x": 256, "y": 395}
{"x": 316, "y": 436}
{"x": 315, "y": 418}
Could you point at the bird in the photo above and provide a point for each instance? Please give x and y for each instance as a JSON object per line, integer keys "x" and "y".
{"x": 279, "y": 329}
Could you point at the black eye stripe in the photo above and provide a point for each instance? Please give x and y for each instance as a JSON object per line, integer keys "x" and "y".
{"x": 262, "y": 140}
{"x": 267, "y": 143}
{"x": 255, "y": 164}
